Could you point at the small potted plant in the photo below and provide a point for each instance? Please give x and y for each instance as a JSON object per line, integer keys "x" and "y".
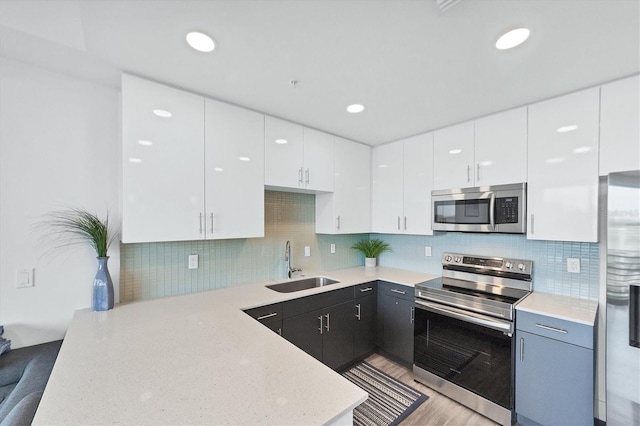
{"x": 79, "y": 226}
{"x": 371, "y": 250}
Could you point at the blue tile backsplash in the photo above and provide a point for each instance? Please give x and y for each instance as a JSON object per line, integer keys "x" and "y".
{"x": 152, "y": 270}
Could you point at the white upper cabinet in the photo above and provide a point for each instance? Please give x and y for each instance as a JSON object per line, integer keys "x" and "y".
{"x": 402, "y": 182}
{"x": 348, "y": 209}
{"x": 501, "y": 148}
{"x": 297, "y": 157}
{"x": 162, "y": 169}
{"x": 453, "y": 156}
{"x": 563, "y": 168}
{"x": 418, "y": 183}
{"x": 234, "y": 170}
{"x": 619, "y": 123}
{"x": 387, "y": 170}
{"x": 318, "y": 160}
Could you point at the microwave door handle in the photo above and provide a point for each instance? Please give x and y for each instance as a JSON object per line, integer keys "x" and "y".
{"x": 492, "y": 211}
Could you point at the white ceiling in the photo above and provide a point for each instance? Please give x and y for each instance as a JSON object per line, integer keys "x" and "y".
{"x": 414, "y": 67}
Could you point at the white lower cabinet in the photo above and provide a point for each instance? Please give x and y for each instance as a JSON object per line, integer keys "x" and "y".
{"x": 162, "y": 163}
{"x": 234, "y": 171}
{"x": 187, "y": 176}
{"x": 348, "y": 209}
{"x": 402, "y": 180}
{"x": 563, "y": 168}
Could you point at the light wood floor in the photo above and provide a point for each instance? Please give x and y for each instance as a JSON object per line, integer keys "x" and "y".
{"x": 438, "y": 409}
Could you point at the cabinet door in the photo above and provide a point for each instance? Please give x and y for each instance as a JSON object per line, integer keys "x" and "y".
{"x": 501, "y": 148}
{"x": 563, "y": 168}
{"x": 352, "y": 192}
{"x": 387, "y": 183}
{"x": 418, "y": 183}
{"x": 398, "y": 328}
{"x": 620, "y": 126}
{"x": 453, "y": 156}
{"x": 337, "y": 340}
{"x": 364, "y": 333}
{"x": 283, "y": 143}
{"x": 162, "y": 168}
{"x": 554, "y": 381}
{"x": 234, "y": 164}
{"x": 318, "y": 160}
{"x": 305, "y": 331}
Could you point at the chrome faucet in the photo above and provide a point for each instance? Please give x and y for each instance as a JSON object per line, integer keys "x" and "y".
{"x": 287, "y": 258}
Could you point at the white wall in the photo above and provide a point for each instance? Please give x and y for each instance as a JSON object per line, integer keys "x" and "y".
{"x": 59, "y": 139}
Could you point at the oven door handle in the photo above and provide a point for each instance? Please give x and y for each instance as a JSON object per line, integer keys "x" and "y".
{"x": 504, "y": 326}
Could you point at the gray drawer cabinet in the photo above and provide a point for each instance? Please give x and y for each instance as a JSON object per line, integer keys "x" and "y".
{"x": 395, "y": 321}
{"x": 322, "y": 326}
{"x": 554, "y": 371}
{"x": 364, "y": 332}
{"x": 269, "y": 315}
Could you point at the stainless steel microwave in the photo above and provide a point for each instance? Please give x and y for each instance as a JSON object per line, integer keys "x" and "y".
{"x": 500, "y": 208}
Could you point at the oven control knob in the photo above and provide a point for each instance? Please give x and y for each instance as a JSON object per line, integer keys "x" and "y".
{"x": 508, "y": 265}
{"x": 522, "y": 266}
{"x": 447, "y": 258}
{"x": 458, "y": 259}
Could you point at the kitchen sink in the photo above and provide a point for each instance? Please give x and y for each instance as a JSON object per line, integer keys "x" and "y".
{"x": 303, "y": 284}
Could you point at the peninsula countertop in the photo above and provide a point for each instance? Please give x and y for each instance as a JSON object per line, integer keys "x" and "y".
{"x": 198, "y": 359}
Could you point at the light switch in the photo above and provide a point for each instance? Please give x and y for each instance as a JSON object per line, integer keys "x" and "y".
{"x": 307, "y": 251}
{"x": 333, "y": 248}
{"x": 24, "y": 278}
{"x": 193, "y": 261}
{"x": 427, "y": 251}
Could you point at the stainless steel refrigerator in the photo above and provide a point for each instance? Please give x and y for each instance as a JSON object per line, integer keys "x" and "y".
{"x": 623, "y": 299}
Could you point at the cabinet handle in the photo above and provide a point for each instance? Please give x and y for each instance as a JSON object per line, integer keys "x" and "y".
{"x": 478, "y": 173}
{"x": 338, "y": 223}
{"x": 327, "y": 326}
{"x": 522, "y": 349}
{"x": 267, "y": 316}
{"x": 405, "y": 223}
{"x": 307, "y": 176}
{"x": 546, "y": 327}
{"x": 201, "y": 222}
{"x": 363, "y": 290}
{"x": 358, "y": 314}
{"x": 212, "y": 223}
{"x": 300, "y": 176}
{"x": 468, "y": 173}
{"x": 531, "y": 228}
{"x": 279, "y": 331}
{"x": 398, "y": 223}
{"x": 413, "y": 314}
{"x": 320, "y": 318}
{"x": 398, "y": 291}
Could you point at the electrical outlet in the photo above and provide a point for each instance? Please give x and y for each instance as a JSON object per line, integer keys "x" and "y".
{"x": 573, "y": 265}
{"x": 333, "y": 248}
{"x": 307, "y": 251}
{"x": 427, "y": 251}
{"x": 193, "y": 261}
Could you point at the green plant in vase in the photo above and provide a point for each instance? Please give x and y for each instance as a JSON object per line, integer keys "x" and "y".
{"x": 371, "y": 249}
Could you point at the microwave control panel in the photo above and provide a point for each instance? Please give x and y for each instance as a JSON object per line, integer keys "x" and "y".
{"x": 507, "y": 210}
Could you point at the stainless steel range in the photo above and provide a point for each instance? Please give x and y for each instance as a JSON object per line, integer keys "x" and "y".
{"x": 463, "y": 332}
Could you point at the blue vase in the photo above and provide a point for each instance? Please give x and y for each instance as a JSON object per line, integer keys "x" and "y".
{"x": 102, "y": 287}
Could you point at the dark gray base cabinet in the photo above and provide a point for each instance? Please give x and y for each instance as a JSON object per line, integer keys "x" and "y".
{"x": 395, "y": 321}
{"x": 364, "y": 333}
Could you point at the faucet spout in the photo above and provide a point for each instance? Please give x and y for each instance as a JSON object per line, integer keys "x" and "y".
{"x": 287, "y": 258}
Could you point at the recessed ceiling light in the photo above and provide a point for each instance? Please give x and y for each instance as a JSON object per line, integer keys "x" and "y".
{"x": 162, "y": 113}
{"x": 455, "y": 151}
{"x": 145, "y": 143}
{"x": 244, "y": 158}
{"x": 281, "y": 141}
{"x": 513, "y": 38}
{"x": 200, "y": 41}
{"x": 135, "y": 160}
{"x": 355, "y": 108}
{"x": 565, "y": 129}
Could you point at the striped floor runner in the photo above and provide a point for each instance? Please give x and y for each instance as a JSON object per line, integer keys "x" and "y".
{"x": 389, "y": 400}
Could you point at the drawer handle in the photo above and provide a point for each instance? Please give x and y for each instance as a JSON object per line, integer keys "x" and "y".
{"x": 358, "y": 314}
{"x": 398, "y": 291}
{"x": 546, "y": 327}
{"x": 363, "y": 290}
{"x": 267, "y": 316}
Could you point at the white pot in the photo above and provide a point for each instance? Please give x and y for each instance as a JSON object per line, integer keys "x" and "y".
{"x": 370, "y": 262}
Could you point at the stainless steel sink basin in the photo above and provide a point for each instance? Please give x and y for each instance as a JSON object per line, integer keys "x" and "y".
{"x": 303, "y": 284}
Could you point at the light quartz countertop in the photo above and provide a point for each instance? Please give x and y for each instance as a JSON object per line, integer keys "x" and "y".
{"x": 198, "y": 359}
{"x": 581, "y": 311}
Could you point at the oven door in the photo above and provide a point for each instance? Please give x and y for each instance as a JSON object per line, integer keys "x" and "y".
{"x": 470, "y": 350}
